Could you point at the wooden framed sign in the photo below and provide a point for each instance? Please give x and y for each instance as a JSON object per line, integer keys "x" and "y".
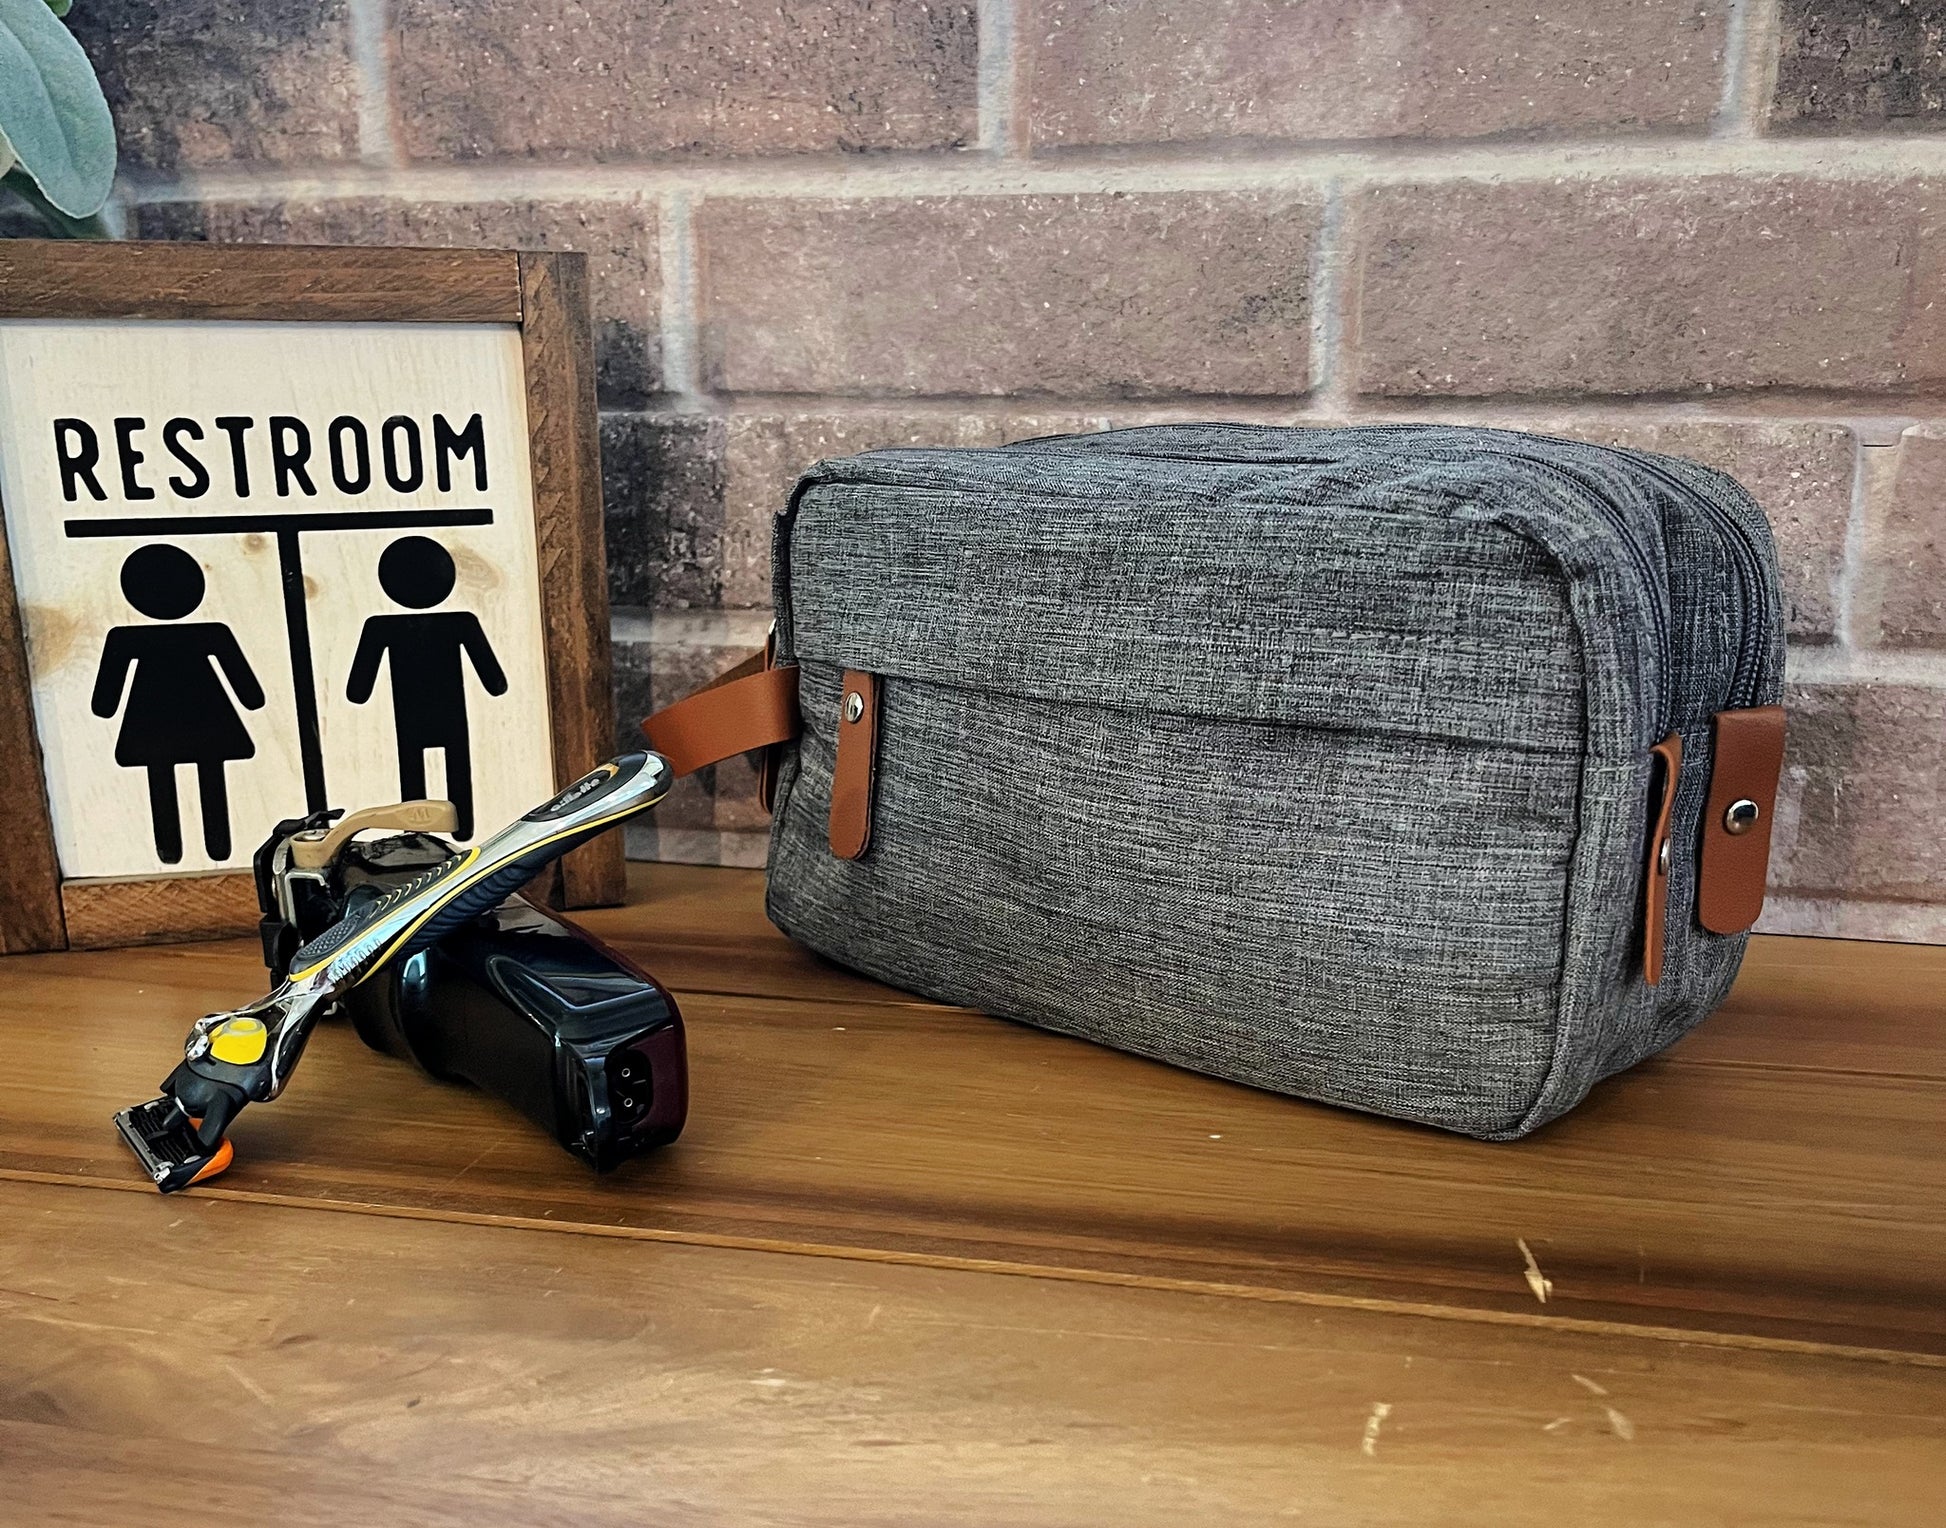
{"x": 285, "y": 529}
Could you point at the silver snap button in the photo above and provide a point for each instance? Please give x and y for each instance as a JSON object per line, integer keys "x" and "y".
{"x": 854, "y": 706}
{"x": 1741, "y": 816}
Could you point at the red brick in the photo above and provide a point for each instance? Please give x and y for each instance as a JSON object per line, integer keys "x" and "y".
{"x": 1901, "y": 598}
{"x": 619, "y": 239}
{"x": 767, "y": 453}
{"x": 1151, "y": 71}
{"x": 1864, "y": 794}
{"x": 1631, "y": 287}
{"x": 1089, "y": 295}
{"x": 197, "y": 83}
{"x": 1846, "y": 65}
{"x": 662, "y": 488}
{"x": 607, "y": 79}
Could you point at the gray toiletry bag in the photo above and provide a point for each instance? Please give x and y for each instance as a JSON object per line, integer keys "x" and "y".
{"x": 1424, "y": 770}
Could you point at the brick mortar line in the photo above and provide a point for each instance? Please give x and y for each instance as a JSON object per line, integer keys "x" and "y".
{"x": 1749, "y": 63}
{"x": 1872, "y": 417}
{"x": 972, "y": 173}
{"x": 1831, "y": 914}
{"x": 1851, "y": 550}
{"x": 1729, "y": 120}
{"x": 1837, "y": 666}
{"x": 676, "y": 320}
{"x": 999, "y": 79}
{"x": 115, "y": 212}
{"x": 725, "y": 848}
{"x": 636, "y": 623}
{"x": 372, "y": 62}
{"x": 1330, "y": 354}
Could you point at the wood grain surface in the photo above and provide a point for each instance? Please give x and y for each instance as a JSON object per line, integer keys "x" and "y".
{"x": 563, "y": 430}
{"x": 909, "y": 1264}
{"x": 192, "y": 1360}
{"x": 1748, "y": 1189}
{"x": 55, "y": 279}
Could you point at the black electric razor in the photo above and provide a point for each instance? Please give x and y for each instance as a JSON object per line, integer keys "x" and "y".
{"x": 414, "y": 940}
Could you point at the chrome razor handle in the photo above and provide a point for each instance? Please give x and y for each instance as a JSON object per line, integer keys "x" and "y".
{"x": 415, "y": 915}
{"x": 247, "y": 1055}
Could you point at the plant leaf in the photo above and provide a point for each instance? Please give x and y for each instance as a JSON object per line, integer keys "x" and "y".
{"x": 60, "y": 7}
{"x": 52, "y": 113}
{"x": 59, "y": 225}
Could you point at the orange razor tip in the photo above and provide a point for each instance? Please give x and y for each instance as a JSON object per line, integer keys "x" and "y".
{"x": 225, "y": 1154}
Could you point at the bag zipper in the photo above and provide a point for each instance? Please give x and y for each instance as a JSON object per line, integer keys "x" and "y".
{"x": 1752, "y": 588}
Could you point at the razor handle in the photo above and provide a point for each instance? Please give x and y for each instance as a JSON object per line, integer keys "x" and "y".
{"x": 418, "y": 914}
{"x": 246, "y": 1055}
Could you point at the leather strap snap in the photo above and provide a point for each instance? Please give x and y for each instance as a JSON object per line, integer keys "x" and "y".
{"x": 1747, "y": 760}
{"x": 854, "y": 776}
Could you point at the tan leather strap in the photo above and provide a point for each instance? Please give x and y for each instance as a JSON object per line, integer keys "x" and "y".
{"x": 752, "y": 706}
{"x": 1736, "y": 824}
{"x": 854, "y": 775}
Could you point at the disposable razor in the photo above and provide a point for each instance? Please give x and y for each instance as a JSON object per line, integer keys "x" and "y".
{"x": 247, "y": 1055}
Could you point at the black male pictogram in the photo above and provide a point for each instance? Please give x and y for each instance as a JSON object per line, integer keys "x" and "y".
{"x": 178, "y": 711}
{"x": 424, "y": 651}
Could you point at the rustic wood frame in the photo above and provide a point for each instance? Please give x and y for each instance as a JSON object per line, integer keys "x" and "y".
{"x": 546, "y": 297}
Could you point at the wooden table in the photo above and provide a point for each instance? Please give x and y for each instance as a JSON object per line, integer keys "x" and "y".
{"x": 909, "y": 1264}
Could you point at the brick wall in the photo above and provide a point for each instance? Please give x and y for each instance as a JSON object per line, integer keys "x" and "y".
{"x": 821, "y": 225}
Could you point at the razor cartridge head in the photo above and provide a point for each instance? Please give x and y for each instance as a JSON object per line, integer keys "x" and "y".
{"x": 164, "y": 1141}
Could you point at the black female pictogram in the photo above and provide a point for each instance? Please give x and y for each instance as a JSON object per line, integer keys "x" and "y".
{"x": 428, "y": 680}
{"x": 178, "y": 710}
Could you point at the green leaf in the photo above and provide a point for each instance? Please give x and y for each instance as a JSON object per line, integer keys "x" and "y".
{"x": 59, "y": 224}
{"x": 52, "y": 114}
{"x": 60, "y": 7}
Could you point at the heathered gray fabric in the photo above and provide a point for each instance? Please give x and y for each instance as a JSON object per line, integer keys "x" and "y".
{"x": 1315, "y": 759}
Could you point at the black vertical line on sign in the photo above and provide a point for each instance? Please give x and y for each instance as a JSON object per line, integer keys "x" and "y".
{"x": 297, "y": 626}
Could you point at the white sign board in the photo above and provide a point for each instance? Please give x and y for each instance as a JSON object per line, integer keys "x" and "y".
{"x": 299, "y": 573}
